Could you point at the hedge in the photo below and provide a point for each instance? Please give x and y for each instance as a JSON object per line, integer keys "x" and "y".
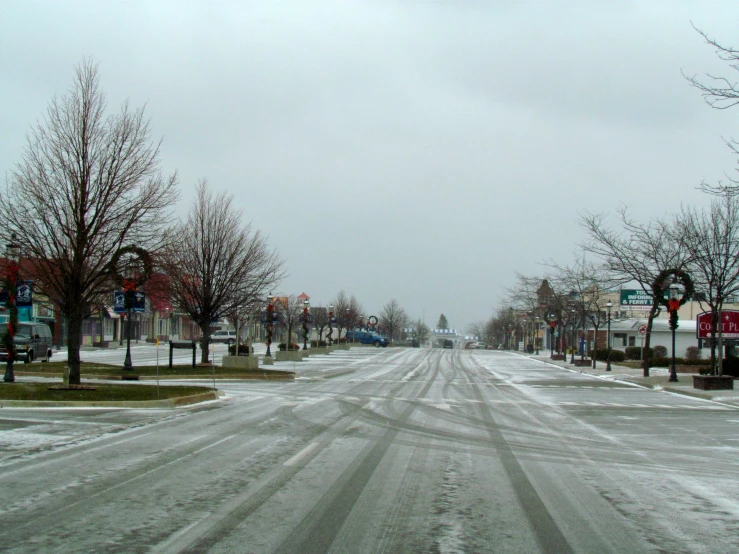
{"x": 634, "y": 352}
{"x": 616, "y": 355}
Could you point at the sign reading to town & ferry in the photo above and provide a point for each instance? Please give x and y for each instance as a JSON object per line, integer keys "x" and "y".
{"x": 632, "y": 299}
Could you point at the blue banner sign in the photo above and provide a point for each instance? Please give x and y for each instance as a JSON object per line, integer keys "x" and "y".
{"x": 119, "y": 302}
{"x": 23, "y": 294}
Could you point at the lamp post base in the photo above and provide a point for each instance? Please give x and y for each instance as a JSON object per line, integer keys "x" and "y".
{"x": 9, "y": 375}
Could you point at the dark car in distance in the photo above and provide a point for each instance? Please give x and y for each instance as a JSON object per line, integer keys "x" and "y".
{"x": 32, "y": 342}
{"x": 448, "y": 344}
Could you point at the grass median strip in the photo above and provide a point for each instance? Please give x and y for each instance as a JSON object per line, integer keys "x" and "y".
{"x": 95, "y": 393}
{"x": 97, "y": 370}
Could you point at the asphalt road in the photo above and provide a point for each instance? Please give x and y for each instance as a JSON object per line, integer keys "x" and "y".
{"x": 381, "y": 450}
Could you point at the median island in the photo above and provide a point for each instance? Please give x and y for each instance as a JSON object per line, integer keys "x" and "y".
{"x": 95, "y": 392}
{"x": 90, "y": 370}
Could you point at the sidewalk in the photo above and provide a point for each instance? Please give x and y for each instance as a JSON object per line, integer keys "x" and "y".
{"x": 657, "y": 380}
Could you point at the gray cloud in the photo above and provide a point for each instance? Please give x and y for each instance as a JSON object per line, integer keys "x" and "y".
{"x": 422, "y": 151}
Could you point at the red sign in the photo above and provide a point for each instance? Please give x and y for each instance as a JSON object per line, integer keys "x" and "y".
{"x": 729, "y": 320}
{"x": 642, "y": 329}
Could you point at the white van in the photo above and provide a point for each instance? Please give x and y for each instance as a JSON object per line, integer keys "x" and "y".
{"x": 229, "y": 337}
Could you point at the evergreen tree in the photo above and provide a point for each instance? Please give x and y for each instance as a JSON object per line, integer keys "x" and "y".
{"x": 443, "y": 324}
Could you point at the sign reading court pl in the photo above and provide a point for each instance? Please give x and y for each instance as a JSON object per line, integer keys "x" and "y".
{"x": 635, "y": 300}
{"x": 730, "y": 324}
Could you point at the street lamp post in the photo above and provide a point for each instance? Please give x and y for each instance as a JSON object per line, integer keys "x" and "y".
{"x": 572, "y": 344}
{"x": 524, "y": 334}
{"x": 129, "y": 292}
{"x": 536, "y": 335}
{"x": 13, "y": 258}
{"x": 330, "y": 322}
{"x": 676, "y": 292}
{"x": 552, "y": 324}
{"x": 270, "y": 314}
{"x": 609, "y": 305}
{"x": 306, "y": 305}
{"x": 135, "y": 270}
{"x": 346, "y": 323}
{"x": 675, "y": 295}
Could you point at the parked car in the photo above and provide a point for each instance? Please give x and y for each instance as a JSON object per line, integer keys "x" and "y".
{"x": 32, "y": 342}
{"x": 367, "y": 337}
{"x": 229, "y": 337}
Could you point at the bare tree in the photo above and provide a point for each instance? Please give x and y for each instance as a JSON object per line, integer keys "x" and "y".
{"x": 711, "y": 237}
{"x": 588, "y": 285}
{"x": 348, "y": 312}
{"x": 422, "y": 330}
{"x": 290, "y": 310}
{"x": 88, "y": 184}
{"x": 320, "y": 320}
{"x": 341, "y": 308}
{"x": 634, "y": 252}
{"x": 720, "y": 93}
{"x": 217, "y": 263}
{"x": 477, "y": 329}
{"x": 392, "y": 319}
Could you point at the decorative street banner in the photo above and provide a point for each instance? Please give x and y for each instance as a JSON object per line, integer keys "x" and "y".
{"x": 263, "y": 317}
{"x": 636, "y": 300}
{"x": 23, "y": 294}
{"x": 119, "y": 302}
{"x": 139, "y": 303}
{"x": 730, "y": 327}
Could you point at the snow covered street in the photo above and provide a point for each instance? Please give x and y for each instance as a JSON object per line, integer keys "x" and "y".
{"x": 380, "y": 450}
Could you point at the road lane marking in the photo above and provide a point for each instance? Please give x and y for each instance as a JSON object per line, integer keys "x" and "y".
{"x": 302, "y": 454}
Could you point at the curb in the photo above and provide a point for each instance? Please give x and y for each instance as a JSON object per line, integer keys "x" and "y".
{"x": 659, "y": 387}
{"x": 168, "y": 403}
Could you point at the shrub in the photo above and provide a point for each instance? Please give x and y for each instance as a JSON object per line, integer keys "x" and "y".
{"x": 731, "y": 366}
{"x": 660, "y": 351}
{"x": 693, "y": 353}
{"x": 634, "y": 352}
{"x": 243, "y": 349}
{"x": 664, "y": 361}
{"x": 293, "y": 346}
{"x": 616, "y": 355}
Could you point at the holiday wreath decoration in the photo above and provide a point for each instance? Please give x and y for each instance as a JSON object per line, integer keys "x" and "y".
{"x": 131, "y": 284}
{"x": 661, "y": 285}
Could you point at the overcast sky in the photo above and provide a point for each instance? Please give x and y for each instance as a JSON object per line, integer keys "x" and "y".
{"x": 421, "y": 150}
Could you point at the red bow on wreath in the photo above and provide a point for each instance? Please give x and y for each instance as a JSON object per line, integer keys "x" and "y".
{"x": 673, "y": 305}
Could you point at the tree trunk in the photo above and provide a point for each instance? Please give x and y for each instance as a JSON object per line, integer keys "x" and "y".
{"x": 714, "y": 327}
{"x": 204, "y": 343}
{"x": 645, "y": 364}
{"x": 595, "y": 345}
{"x": 74, "y": 339}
